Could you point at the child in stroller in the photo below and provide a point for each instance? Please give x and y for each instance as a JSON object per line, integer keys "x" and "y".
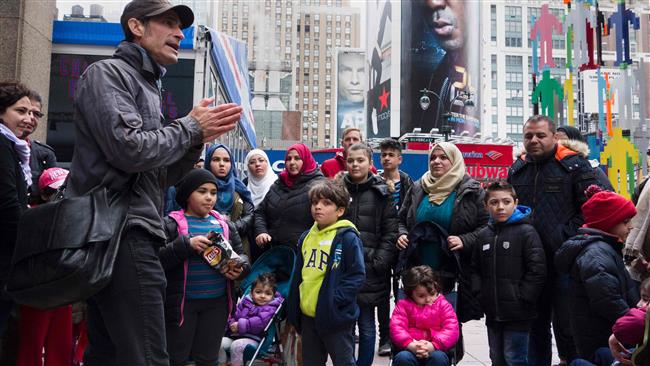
{"x": 253, "y": 313}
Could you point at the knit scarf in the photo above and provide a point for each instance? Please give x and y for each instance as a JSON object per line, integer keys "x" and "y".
{"x": 22, "y": 148}
{"x": 439, "y": 189}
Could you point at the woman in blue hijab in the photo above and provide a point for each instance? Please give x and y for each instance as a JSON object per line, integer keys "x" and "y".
{"x": 233, "y": 197}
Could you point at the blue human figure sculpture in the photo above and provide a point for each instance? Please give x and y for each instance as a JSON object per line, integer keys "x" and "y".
{"x": 535, "y": 47}
{"x": 620, "y": 20}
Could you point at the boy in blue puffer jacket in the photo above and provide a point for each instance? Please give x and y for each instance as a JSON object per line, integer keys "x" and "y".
{"x": 330, "y": 271}
{"x": 509, "y": 268}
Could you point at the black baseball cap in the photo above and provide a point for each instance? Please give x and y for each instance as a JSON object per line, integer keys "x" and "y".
{"x": 142, "y": 9}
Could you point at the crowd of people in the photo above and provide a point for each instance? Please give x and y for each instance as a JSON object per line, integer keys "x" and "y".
{"x": 540, "y": 252}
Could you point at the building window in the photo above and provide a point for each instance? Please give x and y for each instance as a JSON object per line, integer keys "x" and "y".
{"x": 493, "y": 23}
{"x": 513, "y": 27}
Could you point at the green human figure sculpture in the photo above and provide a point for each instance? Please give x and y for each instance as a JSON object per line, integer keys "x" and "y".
{"x": 546, "y": 89}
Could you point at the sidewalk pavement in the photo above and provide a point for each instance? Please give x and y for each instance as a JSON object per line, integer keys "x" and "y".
{"x": 477, "y": 351}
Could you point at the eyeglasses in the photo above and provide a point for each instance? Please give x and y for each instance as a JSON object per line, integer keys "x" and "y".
{"x": 37, "y": 114}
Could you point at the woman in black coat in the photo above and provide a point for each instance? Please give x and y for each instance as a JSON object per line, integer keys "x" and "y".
{"x": 15, "y": 175}
{"x": 285, "y": 212}
{"x": 373, "y": 213}
{"x": 449, "y": 197}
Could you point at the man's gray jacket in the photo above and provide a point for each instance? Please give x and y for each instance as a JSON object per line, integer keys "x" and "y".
{"x": 119, "y": 132}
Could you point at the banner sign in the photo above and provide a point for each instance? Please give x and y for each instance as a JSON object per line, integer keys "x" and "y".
{"x": 485, "y": 163}
{"x": 231, "y": 59}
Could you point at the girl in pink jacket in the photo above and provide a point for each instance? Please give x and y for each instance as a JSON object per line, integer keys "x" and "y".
{"x": 424, "y": 325}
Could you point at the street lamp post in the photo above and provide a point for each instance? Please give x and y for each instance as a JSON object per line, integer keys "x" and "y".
{"x": 425, "y": 101}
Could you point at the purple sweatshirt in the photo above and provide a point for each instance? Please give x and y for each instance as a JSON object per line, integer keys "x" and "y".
{"x": 251, "y": 318}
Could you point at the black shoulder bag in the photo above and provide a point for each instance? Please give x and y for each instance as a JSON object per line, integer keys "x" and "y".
{"x": 65, "y": 250}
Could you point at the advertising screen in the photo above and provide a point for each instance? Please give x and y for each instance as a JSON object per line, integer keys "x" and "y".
{"x": 66, "y": 69}
{"x": 350, "y": 71}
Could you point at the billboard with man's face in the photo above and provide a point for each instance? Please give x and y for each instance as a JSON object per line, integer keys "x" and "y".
{"x": 350, "y": 98}
{"x": 440, "y": 62}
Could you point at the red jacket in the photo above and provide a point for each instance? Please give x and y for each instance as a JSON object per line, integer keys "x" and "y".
{"x": 629, "y": 328}
{"x": 337, "y": 164}
{"x": 436, "y": 323}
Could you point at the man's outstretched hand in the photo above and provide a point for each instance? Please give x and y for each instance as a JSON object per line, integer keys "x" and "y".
{"x": 217, "y": 120}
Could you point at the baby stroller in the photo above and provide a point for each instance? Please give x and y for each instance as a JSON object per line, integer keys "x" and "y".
{"x": 280, "y": 261}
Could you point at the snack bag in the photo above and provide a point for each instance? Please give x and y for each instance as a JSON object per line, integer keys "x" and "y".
{"x": 220, "y": 252}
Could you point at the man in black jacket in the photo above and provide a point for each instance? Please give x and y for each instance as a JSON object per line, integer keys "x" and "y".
{"x": 121, "y": 142}
{"x": 551, "y": 180}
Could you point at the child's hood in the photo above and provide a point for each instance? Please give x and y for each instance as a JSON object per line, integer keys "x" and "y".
{"x": 521, "y": 213}
{"x": 337, "y": 225}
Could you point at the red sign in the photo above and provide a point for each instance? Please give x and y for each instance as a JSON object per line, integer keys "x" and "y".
{"x": 487, "y": 163}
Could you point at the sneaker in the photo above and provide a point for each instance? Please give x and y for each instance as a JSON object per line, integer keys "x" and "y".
{"x": 384, "y": 350}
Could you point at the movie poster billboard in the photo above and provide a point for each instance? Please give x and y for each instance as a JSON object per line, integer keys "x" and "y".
{"x": 440, "y": 63}
{"x": 380, "y": 30}
{"x": 350, "y": 87}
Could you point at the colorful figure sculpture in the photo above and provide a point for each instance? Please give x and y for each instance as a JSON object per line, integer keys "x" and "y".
{"x": 602, "y": 97}
{"x": 622, "y": 86}
{"x": 568, "y": 93}
{"x": 601, "y": 29}
{"x": 544, "y": 94}
{"x": 544, "y": 27}
{"x": 608, "y": 104}
{"x": 535, "y": 46}
{"x": 620, "y": 20}
{"x": 580, "y": 19}
{"x": 620, "y": 156}
{"x": 568, "y": 44}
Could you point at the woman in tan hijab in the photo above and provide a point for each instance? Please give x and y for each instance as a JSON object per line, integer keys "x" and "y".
{"x": 449, "y": 197}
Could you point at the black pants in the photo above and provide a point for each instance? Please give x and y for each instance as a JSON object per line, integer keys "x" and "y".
{"x": 316, "y": 347}
{"x": 126, "y": 324}
{"x": 199, "y": 337}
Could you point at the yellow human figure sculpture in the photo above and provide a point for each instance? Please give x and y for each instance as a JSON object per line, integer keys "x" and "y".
{"x": 568, "y": 95}
{"x": 616, "y": 155}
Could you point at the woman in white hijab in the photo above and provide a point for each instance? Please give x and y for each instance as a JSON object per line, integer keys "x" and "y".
{"x": 260, "y": 175}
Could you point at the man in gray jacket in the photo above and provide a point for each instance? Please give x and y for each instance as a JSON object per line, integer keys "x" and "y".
{"x": 120, "y": 136}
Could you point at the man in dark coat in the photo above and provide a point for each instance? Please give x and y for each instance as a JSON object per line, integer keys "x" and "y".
{"x": 120, "y": 135}
{"x": 551, "y": 180}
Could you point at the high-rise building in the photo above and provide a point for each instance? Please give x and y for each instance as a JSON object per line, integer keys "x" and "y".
{"x": 290, "y": 57}
{"x": 506, "y": 79}
{"x": 322, "y": 26}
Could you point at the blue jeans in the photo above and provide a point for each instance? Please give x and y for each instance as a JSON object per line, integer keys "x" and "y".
{"x": 406, "y": 358}
{"x": 602, "y": 357}
{"x": 367, "y": 334}
{"x": 508, "y": 347}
